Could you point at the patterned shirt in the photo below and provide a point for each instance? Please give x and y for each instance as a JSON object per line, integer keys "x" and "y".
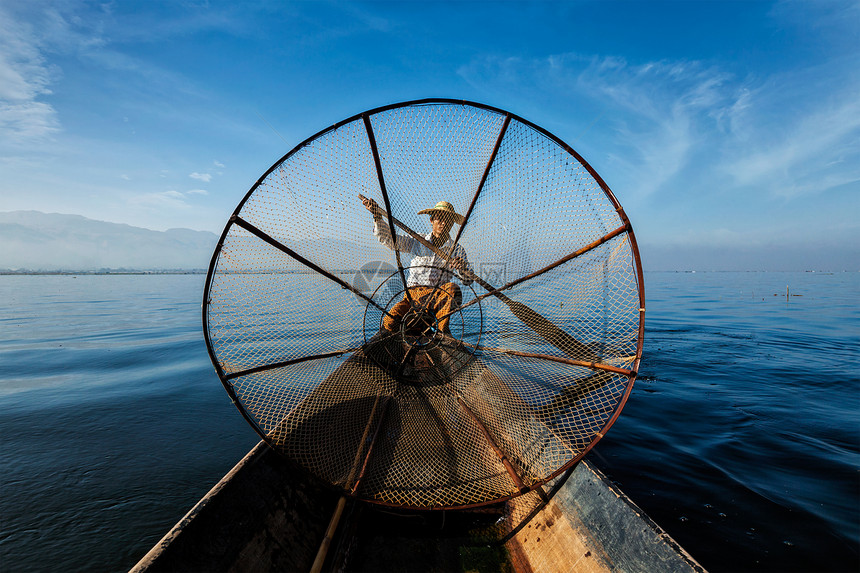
{"x": 426, "y": 265}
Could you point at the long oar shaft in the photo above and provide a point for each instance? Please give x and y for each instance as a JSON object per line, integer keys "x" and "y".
{"x": 329, "y": 536}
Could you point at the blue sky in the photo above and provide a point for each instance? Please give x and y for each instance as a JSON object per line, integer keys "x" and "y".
{"x": 730, "y": 131}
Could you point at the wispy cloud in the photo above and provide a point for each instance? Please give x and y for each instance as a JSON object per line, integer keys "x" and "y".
{"x": 777, "y": 135}
{"x": 165, "y": 201}
{"x": 206, "y": 177}
{"x": 657, "y": 112}
{"x": 160, "y": 200}
{"x": 797, "y": 134}
{"x": 663, "y": 112}
{"x": 32, "y": 33}
{"x": 25, "y": 76}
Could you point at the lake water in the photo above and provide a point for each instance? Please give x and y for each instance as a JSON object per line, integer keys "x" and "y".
{"x": 741, "y": 437}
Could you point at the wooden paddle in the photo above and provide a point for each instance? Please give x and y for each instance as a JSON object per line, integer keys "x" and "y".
{"x": 540, "y": 324}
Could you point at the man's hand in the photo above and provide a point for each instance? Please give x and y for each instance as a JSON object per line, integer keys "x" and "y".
{"x": 459, "y": 265}
{"x": 371, "y": 206}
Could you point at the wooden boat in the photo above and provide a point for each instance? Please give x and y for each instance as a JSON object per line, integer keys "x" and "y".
{"x": 269, "y": 514}
{"x": 423, "y": 450}
{"x": 266, "y": 515}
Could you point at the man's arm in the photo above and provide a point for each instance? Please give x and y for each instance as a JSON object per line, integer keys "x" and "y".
{"x": 382, "y": 231}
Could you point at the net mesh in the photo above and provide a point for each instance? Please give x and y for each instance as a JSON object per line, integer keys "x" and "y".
{"x": 487, "y": 400}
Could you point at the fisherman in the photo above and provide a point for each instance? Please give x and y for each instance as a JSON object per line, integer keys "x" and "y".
{"x": 427, "y": 268}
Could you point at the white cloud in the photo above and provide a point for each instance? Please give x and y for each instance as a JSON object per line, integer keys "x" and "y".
{"x": 31, "y": 120}
{"x": 218, "y": 164}
{"x": 166, "y": 200}
{"x": 160, "y": 200}
{"x": 25, "y": 76}
{"x": 656, "y": 114}
{"x": 205, "y": 177}
{"x": 813, "y": 146}
{"x": 665, "y": 111}
{"x": 783, "y": 134}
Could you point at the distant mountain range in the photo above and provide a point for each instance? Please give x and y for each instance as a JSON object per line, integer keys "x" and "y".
{"x": 35, "y": 241}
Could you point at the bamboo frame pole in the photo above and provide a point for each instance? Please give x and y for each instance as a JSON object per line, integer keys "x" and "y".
{"x": 583, "y": 363}
{"x": 322, "y": 552}
{"x": 254, "y": 230}
{"x": 509, "y": 467}
{"x": 371, "y": 138}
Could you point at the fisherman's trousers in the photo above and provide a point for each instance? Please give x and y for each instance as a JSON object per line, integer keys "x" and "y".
{"x": 441, "y": 302}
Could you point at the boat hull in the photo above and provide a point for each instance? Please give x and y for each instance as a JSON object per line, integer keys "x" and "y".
{"x": 267, "y": 515}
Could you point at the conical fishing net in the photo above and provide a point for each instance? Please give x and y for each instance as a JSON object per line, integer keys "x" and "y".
{"x": 508, "y": 356}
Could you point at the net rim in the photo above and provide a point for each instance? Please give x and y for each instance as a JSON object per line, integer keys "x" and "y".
{"x": 366, "y": 115}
